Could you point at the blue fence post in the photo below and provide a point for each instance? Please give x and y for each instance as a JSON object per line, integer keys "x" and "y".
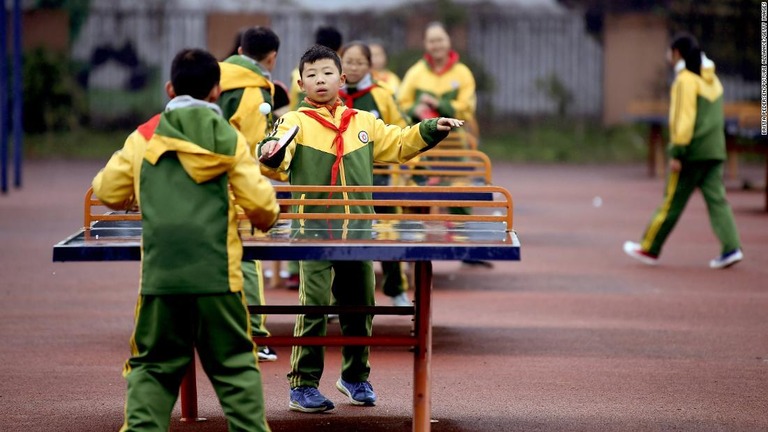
{"x": 17, "y": 94}
{"x": 3, "y": 100}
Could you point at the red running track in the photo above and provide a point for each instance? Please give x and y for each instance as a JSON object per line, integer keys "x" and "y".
{"x": 574, "y": 337}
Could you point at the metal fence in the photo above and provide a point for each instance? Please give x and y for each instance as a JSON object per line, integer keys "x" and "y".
{"x": 537, "y": 64}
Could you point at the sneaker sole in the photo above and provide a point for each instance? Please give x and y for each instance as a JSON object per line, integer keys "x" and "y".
{"x": 632, "y": 253}
{"x": 349, "y": 395}
{"x": 724, "y": 266}
{"x": 294, "y": 406}
{"x": 263, "y": 358}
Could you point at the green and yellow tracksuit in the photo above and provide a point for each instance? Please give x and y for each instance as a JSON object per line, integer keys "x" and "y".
{"x": 368, "y": 95}
{"x": 453, "y": 86}
{"x": 388, "y": 79}
{"x": 338, "y": 146}
{"x": 183, "y": 167}
{"x": 243, "y": 88}
{"x": 697, "y": 140}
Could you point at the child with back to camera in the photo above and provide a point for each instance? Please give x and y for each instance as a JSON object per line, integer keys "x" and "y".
{"x": 188, "y": 168}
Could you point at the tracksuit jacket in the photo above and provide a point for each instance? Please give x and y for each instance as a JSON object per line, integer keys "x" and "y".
{"x": 187, "y": 168}
{"x": 697, "y": 139}
{"x": 243, "y": 88}
{"x": 338, "y": 148}
{"x": 453, "y": 86}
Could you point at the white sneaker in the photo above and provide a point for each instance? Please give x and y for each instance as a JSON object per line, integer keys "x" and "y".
{"x": 726, "y": 260}
{"x": 267, "y": 354}
{"x": 401, "y": 300}
{"x": 635, "y": 251}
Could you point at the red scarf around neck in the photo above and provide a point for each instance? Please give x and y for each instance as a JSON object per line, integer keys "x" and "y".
{"x": 338, "y": 141}
{"x": 349, "y": 99}
{"x": 453, "y": 58}
{"x": 331, "y": 107}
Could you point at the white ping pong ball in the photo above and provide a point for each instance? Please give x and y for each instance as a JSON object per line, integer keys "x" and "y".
{"x": 265, "y": 108}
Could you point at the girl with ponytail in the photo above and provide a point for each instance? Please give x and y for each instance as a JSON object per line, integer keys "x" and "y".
{"x": 697, "y": 155}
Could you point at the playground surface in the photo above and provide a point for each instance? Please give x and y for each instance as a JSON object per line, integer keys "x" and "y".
{"x": 575, "y": 336}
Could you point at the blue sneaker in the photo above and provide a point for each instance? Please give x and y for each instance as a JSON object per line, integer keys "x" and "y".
{"x": 359, "y": 393}
{"x": 727, "y": 259}
{"x": 309, "y": 400}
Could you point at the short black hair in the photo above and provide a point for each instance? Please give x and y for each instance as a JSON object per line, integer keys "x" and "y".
{"x": 257, "y": 42}
{"x": 316, "y": 53}
{"x": 194, "y": 72}
{"x": 328, "y": 36}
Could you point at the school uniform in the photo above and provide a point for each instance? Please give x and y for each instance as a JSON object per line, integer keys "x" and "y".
{"x": 388, "y": 79}
{"x": 245, "y": 85}
{"x": 697, "y": 139}
{"x": 180, "y": 167}
{"x": 339, "y": 148}
{"x": 453, "y": 86}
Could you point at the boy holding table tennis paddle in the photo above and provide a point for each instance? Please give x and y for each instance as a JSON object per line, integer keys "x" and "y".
{"x": 336, "y": 145}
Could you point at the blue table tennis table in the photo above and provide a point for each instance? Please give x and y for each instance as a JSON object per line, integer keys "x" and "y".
{"x": 489, "y": 238}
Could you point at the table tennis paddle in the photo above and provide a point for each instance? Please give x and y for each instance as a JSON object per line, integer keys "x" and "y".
{"x": 282, "y": 142}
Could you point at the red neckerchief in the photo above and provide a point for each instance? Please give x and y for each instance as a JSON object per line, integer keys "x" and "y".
{"x": 349, "y": 99}
{"x": 453, "y": 58}
{"x": 346, "y": 117}
{"x": 331, "y": 108}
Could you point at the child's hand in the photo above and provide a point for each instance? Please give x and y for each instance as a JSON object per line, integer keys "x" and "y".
{"x": 429, "y": 100}
{"x": 268, "y": 148}
{"x": 447, "y": 123}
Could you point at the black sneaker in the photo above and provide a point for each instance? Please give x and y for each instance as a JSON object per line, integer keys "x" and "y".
{"x": 267, "y": 354}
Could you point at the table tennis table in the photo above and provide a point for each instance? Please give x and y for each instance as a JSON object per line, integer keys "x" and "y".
{"x": 418, "y": 238}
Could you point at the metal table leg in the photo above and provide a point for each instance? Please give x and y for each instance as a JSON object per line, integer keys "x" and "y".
{"x": 422, "y": 404}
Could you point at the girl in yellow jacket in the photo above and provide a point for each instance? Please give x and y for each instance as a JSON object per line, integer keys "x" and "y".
{"x": 697, "y": 153}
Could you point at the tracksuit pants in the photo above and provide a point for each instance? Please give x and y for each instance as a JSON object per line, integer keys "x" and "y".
{"x": 351, "y": 283}
{"x": 168, "y": 329}
{"x": 704, "y": 175}
{"x": 253, "y": 286}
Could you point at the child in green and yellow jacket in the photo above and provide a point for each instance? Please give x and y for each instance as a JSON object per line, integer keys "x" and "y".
{"x": 245, "y": 86}
{"x": 697, "y": 154}
{"x": 187, "y": 168}
{"x": 337, "y": 145}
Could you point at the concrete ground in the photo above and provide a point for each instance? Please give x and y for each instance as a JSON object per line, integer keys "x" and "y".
{"x": 575, "y": 337}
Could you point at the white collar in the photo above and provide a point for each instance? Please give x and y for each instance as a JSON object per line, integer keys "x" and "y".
{"x": 187, "y": 101}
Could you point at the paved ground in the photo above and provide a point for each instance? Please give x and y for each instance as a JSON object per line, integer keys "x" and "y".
{"x": 574, "y": 337}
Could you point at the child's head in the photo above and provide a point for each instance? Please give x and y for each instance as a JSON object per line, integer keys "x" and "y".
{"x": 260, "y": 44}
{"x": 321, "y": 77}
{"x": 378, "y": 55}
{"x": 437, "y": 43}
{"x": 685, "y": 46}
{"x": 194, "y": 72}
{"x": 355, "y": 61}
{"x": 328, "y": 36}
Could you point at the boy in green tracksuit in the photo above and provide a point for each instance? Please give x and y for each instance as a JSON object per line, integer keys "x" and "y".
{"x": 337, "y": 145}
{"x": 187, "y": 169}
{"x": 697, "y": 153}
{"x": 245, "y": 86}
